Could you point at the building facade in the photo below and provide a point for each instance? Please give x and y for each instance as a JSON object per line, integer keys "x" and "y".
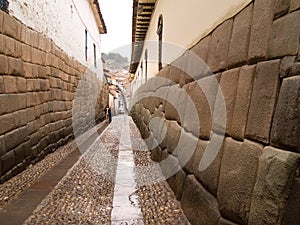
{"x": 222, "y": 77}
{"x": 51, "y": 81}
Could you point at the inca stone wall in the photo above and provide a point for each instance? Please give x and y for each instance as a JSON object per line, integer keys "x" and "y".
{"x": 254, "y": 177}
{"x": 38, "y": 82}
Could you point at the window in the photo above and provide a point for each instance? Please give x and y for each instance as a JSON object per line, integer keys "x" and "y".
{"x": 160, "y": 33}
{"x": 95, "y": 56}
{"x": 4, "y": 5}
{"x": 86, "y": 45}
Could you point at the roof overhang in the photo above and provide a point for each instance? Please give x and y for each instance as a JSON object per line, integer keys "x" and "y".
{"x": 141, "y": 17}
{"x": 98, "y": 16}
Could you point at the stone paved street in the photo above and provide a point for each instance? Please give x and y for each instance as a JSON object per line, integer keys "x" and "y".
{"x": 99, "y": 182}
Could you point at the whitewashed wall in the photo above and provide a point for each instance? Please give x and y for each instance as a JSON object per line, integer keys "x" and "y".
{"x": 63, "y": 21}
{"x": 184, "y": 24}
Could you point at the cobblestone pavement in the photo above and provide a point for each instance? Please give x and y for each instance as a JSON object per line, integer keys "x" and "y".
{"x": 85, "y": 195}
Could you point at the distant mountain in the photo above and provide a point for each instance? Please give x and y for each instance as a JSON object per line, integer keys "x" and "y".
{"x": 114, "y": 61}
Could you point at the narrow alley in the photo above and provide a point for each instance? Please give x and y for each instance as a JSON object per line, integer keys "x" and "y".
{"x": 98, "y": 187}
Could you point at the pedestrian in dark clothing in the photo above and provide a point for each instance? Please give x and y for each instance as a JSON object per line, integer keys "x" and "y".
{"x": 108, "y": 114}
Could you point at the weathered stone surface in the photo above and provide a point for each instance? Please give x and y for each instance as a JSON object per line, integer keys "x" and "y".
{"x": 10, "y": 84}
{"x": 225, "y": 222}
{"x": 176, "y": 183}
{"x": 15, "y": 66}
{"x": 11, "y": 28}
{"x": 281, "y": 7}
{"x": 260, "y": 29}
{"x": 276, "y": 172}
{"x": 199, "y": 206}
{"x": 7, "y": 161}
{"x": 237, "y": 177}
{"x": 286, "y": 122}
{"x": 239, "y": 42}
{"x": 263, "y": 100}
{"x": 2, "y": 145}
{"x": 172, "y": 136}
{"x": 7, "y": 123}
{"x": 4, "y": 102}
{"x": 175, "y": 104}
{"x": 202, "y": 47}
{"x": 15, "y": 137}
{"x": 292, "y": 216}
{"x": 211, "y": 160}
{"x": 289, "y": 66}
{"x": 228, "y": 88}
{"x": 284, "y": 39}
{"x": 3, "y": 65}
{"x": 169, "y": 164}
{"x": 295, "y": 4}
{"x": 242, "y": 102}
{"x": 219, "y": 45}
{"x": 186, "y": 147}
{"x": 200, "y": 105}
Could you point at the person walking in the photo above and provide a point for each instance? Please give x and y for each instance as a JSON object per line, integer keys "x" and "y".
{"x": 108, "y": 114}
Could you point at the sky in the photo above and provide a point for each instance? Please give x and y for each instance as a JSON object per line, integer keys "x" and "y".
{"x": 117, "y": 15}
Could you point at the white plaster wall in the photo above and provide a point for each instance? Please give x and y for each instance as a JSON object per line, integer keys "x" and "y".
{"x": 63, "y": 21}
{"x": 185, "y": 22}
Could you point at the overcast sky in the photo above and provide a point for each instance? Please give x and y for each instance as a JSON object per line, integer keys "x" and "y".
{"x": 117, "y": 15}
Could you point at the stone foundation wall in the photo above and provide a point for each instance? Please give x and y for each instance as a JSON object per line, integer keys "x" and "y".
{"x": 254, "y": 177}
{"x": 38, "y": 82}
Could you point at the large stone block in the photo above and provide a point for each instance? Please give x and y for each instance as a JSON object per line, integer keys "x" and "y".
{"x": 260, "y": 29}
{"x": 237, "y": 178}
{"x": 242, "y": 102}
{"x": 292, "y": 216}
{"x": 176, "y": 183}
{"x": 11, "y": 27}
{"x": 169, "y": 164}
{"x": 294, "y": 5}
{"x": 209, "y": 153}
{"x": 4, "y": 102}
{"x": 219, "y": 45}
{"x": 199, "y": 206}
{"x": 10, "y": 47}
{"x": 185, "y": 150}
{"x": 3, "y": 65}
{"x": 172, "y": 136}
{"x": 239, "y": 42}
{"x": 10, "y": 84}
{"x": 281, "y": 7}
{"x": 15, "y": 137}
{"x": 275, "y": 175}
{"x": 15, "y": 67}
{"x": 175, "y": 104}
{"x": 200, "y": 106}
{"x": 7, "y": 123}
{"x": 284, "y": 38}
{"x": 7, "y": 161}
{"x": 265, "y": 89}
{"x": 289, "y": 66}
{"x": 2, "y": 145}
{"x": 286, "y": 122}
{"x": 202, "y": 47}
{"x": 227, "y": 95}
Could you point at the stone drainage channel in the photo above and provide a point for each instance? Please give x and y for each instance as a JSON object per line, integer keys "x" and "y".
{"x": 126, "y": 207}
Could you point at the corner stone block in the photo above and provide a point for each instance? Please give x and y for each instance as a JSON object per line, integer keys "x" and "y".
{"x": 199, "y": 206}
{"x": 228, "y": 88}
{"x": 284, "y": 39}
{"x": 219, "y": 46}
{"x": 237, "y": 177}
{"x": 260, "y": 29}
{"x": 276, "y": 173}
{"x": 209, "y": 154}
{"x": 286, "y": 122}
{"x": 242, "y": 102}
{"x": 239, "y": 42}
{"x": 265, "y": 88}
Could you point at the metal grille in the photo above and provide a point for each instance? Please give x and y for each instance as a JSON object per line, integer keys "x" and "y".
{"x": 4, "y": 5}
